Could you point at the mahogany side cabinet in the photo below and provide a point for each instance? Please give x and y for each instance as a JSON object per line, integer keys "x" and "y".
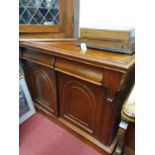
{"x": 83, "y": 90}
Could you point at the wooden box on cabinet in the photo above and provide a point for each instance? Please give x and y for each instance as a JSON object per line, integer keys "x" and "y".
{"x": 86, "y": 91}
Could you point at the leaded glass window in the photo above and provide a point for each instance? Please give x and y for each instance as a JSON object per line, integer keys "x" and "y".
{"x": 40, "y": 12}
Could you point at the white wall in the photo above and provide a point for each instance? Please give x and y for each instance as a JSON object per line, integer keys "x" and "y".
{"x": 107, "y": 13}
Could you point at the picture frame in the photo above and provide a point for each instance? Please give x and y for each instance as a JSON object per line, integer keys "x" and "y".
{"x": 26, "y": 107}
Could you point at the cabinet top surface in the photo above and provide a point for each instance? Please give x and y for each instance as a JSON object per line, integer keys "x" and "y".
{"x": 69, "y": 50}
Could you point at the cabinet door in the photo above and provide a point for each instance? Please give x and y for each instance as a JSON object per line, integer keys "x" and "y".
{"x": 42, "y": 85}
{"x": 80, "y": 103}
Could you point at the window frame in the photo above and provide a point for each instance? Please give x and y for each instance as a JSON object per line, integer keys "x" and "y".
{"x": 30, "y": 28}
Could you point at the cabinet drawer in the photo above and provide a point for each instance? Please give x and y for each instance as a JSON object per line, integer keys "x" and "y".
{"x": 38, "y": 58}
{"x": 81, "y": 71}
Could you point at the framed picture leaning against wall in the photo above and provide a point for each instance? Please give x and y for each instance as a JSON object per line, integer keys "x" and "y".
{"x": 26, "y": 107}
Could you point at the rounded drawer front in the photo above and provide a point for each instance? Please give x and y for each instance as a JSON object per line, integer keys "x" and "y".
{"x": 79, "y": 70}
{"x": 38, "y": 58}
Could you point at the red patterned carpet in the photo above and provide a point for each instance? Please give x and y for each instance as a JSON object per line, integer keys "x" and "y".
{"x": 40, "y": 136}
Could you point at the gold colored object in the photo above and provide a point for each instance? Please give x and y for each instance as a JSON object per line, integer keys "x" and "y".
{"x": 128, "y": 110}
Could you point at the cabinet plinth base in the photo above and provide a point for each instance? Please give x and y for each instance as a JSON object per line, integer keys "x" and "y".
{"x": 108, "y": 149}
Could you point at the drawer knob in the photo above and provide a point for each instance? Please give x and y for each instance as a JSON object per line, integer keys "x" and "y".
{"x": 109, "y": 99}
